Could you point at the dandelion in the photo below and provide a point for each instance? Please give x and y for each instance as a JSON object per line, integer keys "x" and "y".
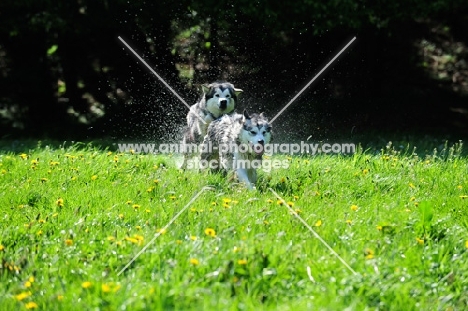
{"x": 150, "y": 189}
{"x": 210, "y": 232}
{"x": 459, "y": 187}
{"x": 282, "y": 180}
{"x": 148, "y": 210}
{"x": 35, "y": 162}
{"x": 156, "y": 181}
{"x": 43, "y": 180}
{"x": 269, "y": 201}
{"x": 227, "y": 200}
{"x": 291, "y": 204}
{"x": 236, "y": 249}
{"x": 161, "y": 231}
{"x": 369, "y": 254}
{"x": 349, "y": 221}
{"x": 2, "y": 248}
{"x": 111, "y": 238}
{"x": 105, "y": 288}
{"x": 40, "y": 232}
{"x": 136, "y": 206}
{"x": 178, "y": 242}
{"x": 59, "y": 202}
{"x": 194, "y": 261}
{"x": 27, "y": 284}
{"x": 354, "y": 207}
{"x": 128, "y": 202}
{"x": 86, "y": 285}
{"x": 59, "y": 297}
{"x": 318, "y": 223}
{"x": 279, "y": 202}
{"x": 133, "y": 240}
{"x": 138, "y": 228}
{"x": 172, "y": 197}
{"x": 193, "y": 238}
{"x": 464, "y": 196}
{"x": 295, "y": 197}
{"x": 298, "y": 211}
{"x": 411, "y": 185}
{"x": 121, "y": 216}
{"x": 31, "y": 305}
{"x": 69, "y": 242}
{"x": 365, "y": 171}
{"x": 242, "y": 262}
{"x": 23, "y": 156}
{"x": 22, "y": 296}
{"x": 94, "y": 177}
{"x": 379, "y": 228}
{"x": 420, "y": 241}
{"x": 225, "y": 205}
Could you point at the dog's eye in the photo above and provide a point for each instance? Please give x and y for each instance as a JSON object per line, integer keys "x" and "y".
{"x": 253, "y": 132}
{"x": 217, "y": 95}
{"x": 227, "y": 96}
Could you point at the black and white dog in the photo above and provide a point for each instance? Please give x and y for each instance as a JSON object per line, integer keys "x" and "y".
{"x": 236, "y": 143}
{"x": 219, "y": 98}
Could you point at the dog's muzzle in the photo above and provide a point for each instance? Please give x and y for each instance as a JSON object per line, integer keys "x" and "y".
{"x": 223, "y": 104}
{"x": 259, "y": 147}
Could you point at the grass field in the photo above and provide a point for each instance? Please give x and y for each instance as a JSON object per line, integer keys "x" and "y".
{"x": 72, "y": 217}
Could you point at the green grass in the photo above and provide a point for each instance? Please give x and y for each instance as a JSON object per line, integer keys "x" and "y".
{"x": 72, "y": 217}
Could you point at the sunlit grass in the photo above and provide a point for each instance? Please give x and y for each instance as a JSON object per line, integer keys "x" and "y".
{"x": 72, "y": 218}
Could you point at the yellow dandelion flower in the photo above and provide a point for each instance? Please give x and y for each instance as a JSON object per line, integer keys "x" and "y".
{"x": 235, "y": 202}
{"x": 269, "y": 201}
{"x": 69, "y": 242}
{"x": 27, "y": 284}
{"x": 236, "y": 249}
{"x": 59, "y": 297}
{"x": 242, "y": 261}
{"x": 121, "y": 216}
{"x": 31, "y": 305}
{"x": 35, "y": 162}
{"x": 365, "y": 171}
{"x": 193, "y": 210}
{"x": 210, "y": 232}
{"x": 354, "y": 207}
{"x": 265, "y": 222}
{"x": 282, "y": 180}
{"x": 43, "y": 180}
{"x": 295, "y": 197}
{"x": 298, "y": 211}
{"x": 111, "y": 238}
{"x": 105, "y": 288}
{"x": 411, "y": 185}
{"x": 86, "y": 285}
{"x": 94, "y": 177}
{"x": 150, "y": 189}
{"x": 194, "y": 261}
{"x": 368, "y": 253}
{"x": 349, "y": 221}
{"x": 279, "y": 202}
{"x": 128, "y": 202}
{"x": 172, "y": 197}
{"x": 138, "y": 237}
{"x": 22, "y": 296}
{"x": 291, "y": 204}
{"x": 193, "y": 238}
{"x": 459, "y": 187}
{"x": 40, "y": 232}
{"x": 148, "y": 210}
{"x": 318, "y": 223}
{"x": 156, "y": 181}
{"x": 379, "y": 228}
{"x": 23, "y": 156}
{"x": 227, "y": 200}
{"x": 178, "y": 242}
{"x": 464, "y": 196}
{"x": 225, "y": 205}
{"x": 161, "y": 231}
{"x": 2, "y": 248}
{"x": 136, "y": 206}
{"x": 59, "y": 202}
{"x": 214, "y": 203}
{"x": 420, "y": 241}
{"x": 138, "y": 228}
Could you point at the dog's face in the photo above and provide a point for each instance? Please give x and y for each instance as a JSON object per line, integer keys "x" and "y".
{"x": 220, "y": 98}
{"x": 256, "y": 131}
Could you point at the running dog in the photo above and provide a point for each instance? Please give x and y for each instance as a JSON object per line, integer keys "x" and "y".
{"x": 219, "y": 98}
{"x": 239, "y": 141}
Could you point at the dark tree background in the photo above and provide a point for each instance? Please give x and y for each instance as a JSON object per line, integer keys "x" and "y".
{"x": 65, "y": 74}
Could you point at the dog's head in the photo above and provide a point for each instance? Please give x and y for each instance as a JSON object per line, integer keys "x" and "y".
{"x": 220, "y": 97}
{"x": 256, "y": 131}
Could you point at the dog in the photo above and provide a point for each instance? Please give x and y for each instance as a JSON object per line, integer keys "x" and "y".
{"x": 240, "y": 140}
{"x": 219, "y": 98}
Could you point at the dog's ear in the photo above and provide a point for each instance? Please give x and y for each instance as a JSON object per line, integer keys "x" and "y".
{"x": 205, "y": 88}
{"x": 237, "y": 91}
{"x": 262, "y": 115}
{"x": 246, "y": 114}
